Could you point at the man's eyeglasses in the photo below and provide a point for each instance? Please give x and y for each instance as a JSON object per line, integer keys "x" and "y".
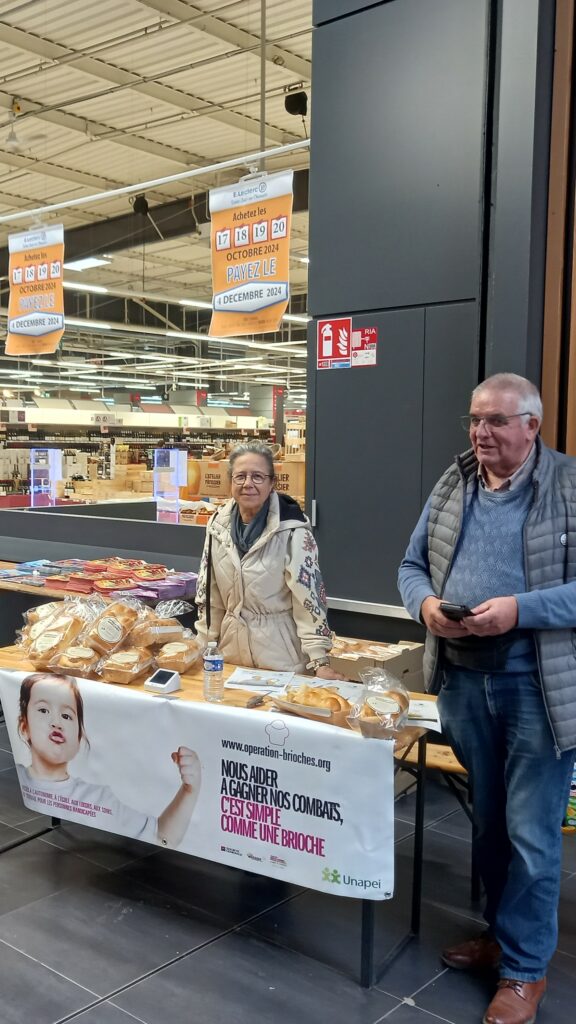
{"x": 256, "y": 478}
{"x": 494, "y": 422}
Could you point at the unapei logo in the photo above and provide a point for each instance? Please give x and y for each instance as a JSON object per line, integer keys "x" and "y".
{"x": 335, "y": 878}
{"x": 331, "y": 875}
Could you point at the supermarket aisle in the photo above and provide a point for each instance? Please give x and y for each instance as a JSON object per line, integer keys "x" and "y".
{"x": 102, "y": 930}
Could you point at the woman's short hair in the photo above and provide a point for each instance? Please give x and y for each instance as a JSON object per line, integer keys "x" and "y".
{"x": 252, "y": 448}
{"x": 527, "y": 392}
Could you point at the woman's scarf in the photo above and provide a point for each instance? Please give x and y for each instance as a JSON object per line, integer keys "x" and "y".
{"x": 245, "y": 535}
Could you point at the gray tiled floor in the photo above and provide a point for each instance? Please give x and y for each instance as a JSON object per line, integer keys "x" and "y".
{"x": 96, "y": 929}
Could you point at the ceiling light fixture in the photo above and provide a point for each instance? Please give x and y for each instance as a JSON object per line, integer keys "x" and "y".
{"x": 86, "y": 287}
{"x": 98, "y": 325}
{"x": 85, "y": 263}
{"x": 195, "y": 303}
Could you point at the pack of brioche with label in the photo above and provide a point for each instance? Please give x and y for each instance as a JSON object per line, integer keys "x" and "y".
{"x": 382, "y": 708}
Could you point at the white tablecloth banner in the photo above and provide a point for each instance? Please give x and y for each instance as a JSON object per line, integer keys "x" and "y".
{"x": 280, "y": 795}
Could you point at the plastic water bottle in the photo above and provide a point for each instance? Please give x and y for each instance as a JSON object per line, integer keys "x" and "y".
{"x": 213, "y": 673}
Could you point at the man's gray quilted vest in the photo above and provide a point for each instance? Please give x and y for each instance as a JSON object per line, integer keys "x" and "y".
{"x": 550, "y": 558}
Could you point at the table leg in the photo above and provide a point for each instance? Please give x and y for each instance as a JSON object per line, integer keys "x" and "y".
{"x": 418, "y": 838}
{"x": 367, "y": 944}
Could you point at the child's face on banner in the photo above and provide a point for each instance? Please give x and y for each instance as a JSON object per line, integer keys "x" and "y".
{"x": 52, "y": 722}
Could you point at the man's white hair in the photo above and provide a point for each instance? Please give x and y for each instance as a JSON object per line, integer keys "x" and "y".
{"x": 528, "y": 395}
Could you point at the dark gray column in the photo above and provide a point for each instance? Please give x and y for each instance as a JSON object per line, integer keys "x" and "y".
{"x": 428, "y": 200}
{"x": 519, "y": 199}
{"x": 397, "y": 169}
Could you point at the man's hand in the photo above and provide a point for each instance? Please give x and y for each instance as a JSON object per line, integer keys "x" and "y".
{"x": 189, "y": 766}
{"x": 493, "y": 617}
{"x": 437, "y": 623}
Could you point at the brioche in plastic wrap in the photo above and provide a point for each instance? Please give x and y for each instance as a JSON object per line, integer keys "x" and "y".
{"x": 179, "y": 655}
{"x": 77, "y": 660}
{"x": 126, "y": 666}
{"x": 59, "y": 633}
{"x": 111, "y": 629}
{"x": 382, "y": 708}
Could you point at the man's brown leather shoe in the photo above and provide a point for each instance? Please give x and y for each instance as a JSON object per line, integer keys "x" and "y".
{"x": 474, "y": 955}
{"x": 516, "y": 1002}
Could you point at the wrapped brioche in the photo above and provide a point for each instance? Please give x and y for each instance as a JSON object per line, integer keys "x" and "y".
{"x": 111, "y": 629}
{"x": 152, "y": 629}
{"x": 126, "y": 666}
{"x": 34, "y": 630}
{"x": 180, "y": 655}
{"x": 42, "y": 611}
{"x": 58, "y": 634}
{"x": 382, "y": 708}
{"x": 77, "y": 660}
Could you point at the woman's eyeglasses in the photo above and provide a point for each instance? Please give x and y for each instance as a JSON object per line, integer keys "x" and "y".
{"x": 256, "y": 478}
{"x": 494, "y": 422}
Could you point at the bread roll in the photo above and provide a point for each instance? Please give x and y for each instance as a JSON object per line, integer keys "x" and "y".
{"x": 317, "y": 697}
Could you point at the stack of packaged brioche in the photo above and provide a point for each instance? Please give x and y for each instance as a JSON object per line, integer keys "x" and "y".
{"x": 121, "y": 641}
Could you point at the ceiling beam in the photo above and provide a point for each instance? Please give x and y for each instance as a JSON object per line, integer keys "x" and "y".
{"x": 123, "y": 79}
{"x": 94, "y": 131}
{"x": 220, "y": 29}
{"x": 31, "y": 163}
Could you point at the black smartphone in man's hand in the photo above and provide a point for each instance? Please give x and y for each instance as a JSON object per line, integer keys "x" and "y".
{"x": 454, "y": 611}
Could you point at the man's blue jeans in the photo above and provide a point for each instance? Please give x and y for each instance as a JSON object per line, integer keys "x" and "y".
{"x": 499, "y": 729}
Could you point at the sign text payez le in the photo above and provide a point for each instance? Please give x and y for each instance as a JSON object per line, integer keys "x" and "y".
{"x": 253, "y": 271}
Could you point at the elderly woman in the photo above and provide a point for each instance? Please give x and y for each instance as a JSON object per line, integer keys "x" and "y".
{"x": 260, "y": 593}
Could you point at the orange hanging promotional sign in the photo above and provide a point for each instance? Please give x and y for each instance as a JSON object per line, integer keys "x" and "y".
{"x": 36, "y": 305}
{"x": 250, "y": 242}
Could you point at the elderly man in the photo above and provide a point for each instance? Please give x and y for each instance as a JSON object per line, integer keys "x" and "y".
{"x": 496, "y": 546}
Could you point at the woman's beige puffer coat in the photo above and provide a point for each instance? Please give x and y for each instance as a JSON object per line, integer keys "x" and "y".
{"x": 268, "y": 609}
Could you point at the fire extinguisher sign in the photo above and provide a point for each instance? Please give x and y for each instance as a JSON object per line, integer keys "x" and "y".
{"x": 334, "y": 344}
{"x": 340, "y": 347}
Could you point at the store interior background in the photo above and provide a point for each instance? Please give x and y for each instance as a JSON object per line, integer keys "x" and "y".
{"x": 436, "y": 205}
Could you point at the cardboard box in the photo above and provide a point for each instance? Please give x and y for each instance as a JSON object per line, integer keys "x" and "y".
{"x": 194, "y": 473}
{"x": 403, "y": 659}
{"x": 214, "y": 478}
{"x": 290, "y": 477}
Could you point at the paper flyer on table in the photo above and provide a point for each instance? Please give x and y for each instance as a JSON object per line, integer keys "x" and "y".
{"x": 259, "y": 680}
{"x": 426, "y": 714}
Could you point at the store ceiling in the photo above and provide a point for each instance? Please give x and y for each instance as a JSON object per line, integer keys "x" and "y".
{"x": 98, "y": 96}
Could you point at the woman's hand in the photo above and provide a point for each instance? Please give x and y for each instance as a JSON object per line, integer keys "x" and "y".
{"x": 189, "y": 766}
{"x": 325, "y": 672}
